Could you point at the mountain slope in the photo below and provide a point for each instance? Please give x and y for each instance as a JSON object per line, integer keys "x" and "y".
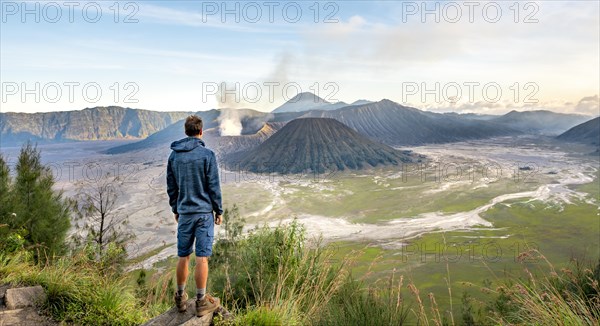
{"x": 586, "y": 133}
{"x": 540, "y": 121}
{"x": 164, "y": 137}
{"x": 252, "y": 122}
{"x": 225, "y": 146}
{"x": 98, "y": 123}
{"x": 394, "y": 124}
{"x": 318, "y": 144}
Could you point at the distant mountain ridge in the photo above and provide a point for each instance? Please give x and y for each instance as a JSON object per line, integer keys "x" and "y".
{"x": 361, "y": 102}
{"x": 585, "y": 133}
{"x": 254, "y": 130}
{"x": 540, "y": 121}
{"x": 398, "y": 125}
{"x": 384, "y": 121}
{"x": 169, "y": 134}
{"x": 98, "y": 123}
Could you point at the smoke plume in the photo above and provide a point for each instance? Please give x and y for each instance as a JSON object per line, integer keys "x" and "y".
{"x": 230, "y": 122}
{"x": 230, "y": 99}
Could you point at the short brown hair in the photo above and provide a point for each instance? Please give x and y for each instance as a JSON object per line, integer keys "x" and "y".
{"x": 193, "y": 125}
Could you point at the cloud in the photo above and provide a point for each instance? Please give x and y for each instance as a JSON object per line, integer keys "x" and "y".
{"x": 588, "y": 105}
{"x": 395, "y": 48}
{"x": 343, "y": 29}
{"x": 358, "y": 38}
{"x": 258, "y": 95}
{"x": 479, "y": 107}
{"x": 194, "y": 18}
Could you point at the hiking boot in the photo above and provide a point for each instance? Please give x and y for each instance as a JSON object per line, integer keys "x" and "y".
{"x": 181, "y": 301}
{"x": 206, "y": 305}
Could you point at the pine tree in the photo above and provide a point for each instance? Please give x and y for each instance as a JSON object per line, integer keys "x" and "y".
{"x": 40, "y": 210}
{"x": 5, "y": 207}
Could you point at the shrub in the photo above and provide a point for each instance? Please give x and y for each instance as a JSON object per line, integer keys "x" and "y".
{"x": 275, "y": 276}
{"x": 273, "y": 269}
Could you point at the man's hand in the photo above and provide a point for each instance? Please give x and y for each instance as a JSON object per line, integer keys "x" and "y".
{"x": 176, "y": 218}
{"x": 218, "y": 219}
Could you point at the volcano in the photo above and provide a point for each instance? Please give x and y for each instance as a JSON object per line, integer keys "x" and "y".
{"x": 302, "y": 102}
{"x": 225, "y": 146}
{"x": 319, "y": 145}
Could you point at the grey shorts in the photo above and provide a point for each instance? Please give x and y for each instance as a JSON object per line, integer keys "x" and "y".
{"x": 199, "y": 227}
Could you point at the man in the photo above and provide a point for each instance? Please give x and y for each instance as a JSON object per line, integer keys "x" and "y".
{"x": 194, "y": 194}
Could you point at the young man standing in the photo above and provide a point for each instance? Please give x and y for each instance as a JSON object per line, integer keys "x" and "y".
{"x": 194, "y": 194}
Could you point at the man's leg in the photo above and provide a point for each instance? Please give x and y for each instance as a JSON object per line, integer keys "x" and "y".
{"x": 182, "y": 273}
{"x": 185, "y": 245}
{"x": 201, "y": 276}
{"x": 205, "y": 303}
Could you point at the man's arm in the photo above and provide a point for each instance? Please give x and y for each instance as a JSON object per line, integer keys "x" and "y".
{"x": 172, "y": 188}
{"x": 214, "y": 185}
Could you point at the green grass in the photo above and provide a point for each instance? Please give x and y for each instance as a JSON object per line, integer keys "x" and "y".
{"x": 367, "y": 199}
{"x": 249, "y": 197}
{"x": 149, "y": 254}
{"x": 271, "y": 277}
{"x": 559, "y": 233}
{"x": 373, "y": 196}
{"x": 77, "y": 292}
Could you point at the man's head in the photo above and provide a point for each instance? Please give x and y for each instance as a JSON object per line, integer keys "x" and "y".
{"x": 193, "y": 126}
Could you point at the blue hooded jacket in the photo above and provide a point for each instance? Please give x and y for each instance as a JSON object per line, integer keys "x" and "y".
{"x": 193, "y": 178}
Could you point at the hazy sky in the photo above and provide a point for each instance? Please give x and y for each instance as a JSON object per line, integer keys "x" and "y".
{"x": 484, "y": 57}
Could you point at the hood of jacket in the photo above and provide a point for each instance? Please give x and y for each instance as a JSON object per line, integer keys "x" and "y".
{"x": 186, "y": 144}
